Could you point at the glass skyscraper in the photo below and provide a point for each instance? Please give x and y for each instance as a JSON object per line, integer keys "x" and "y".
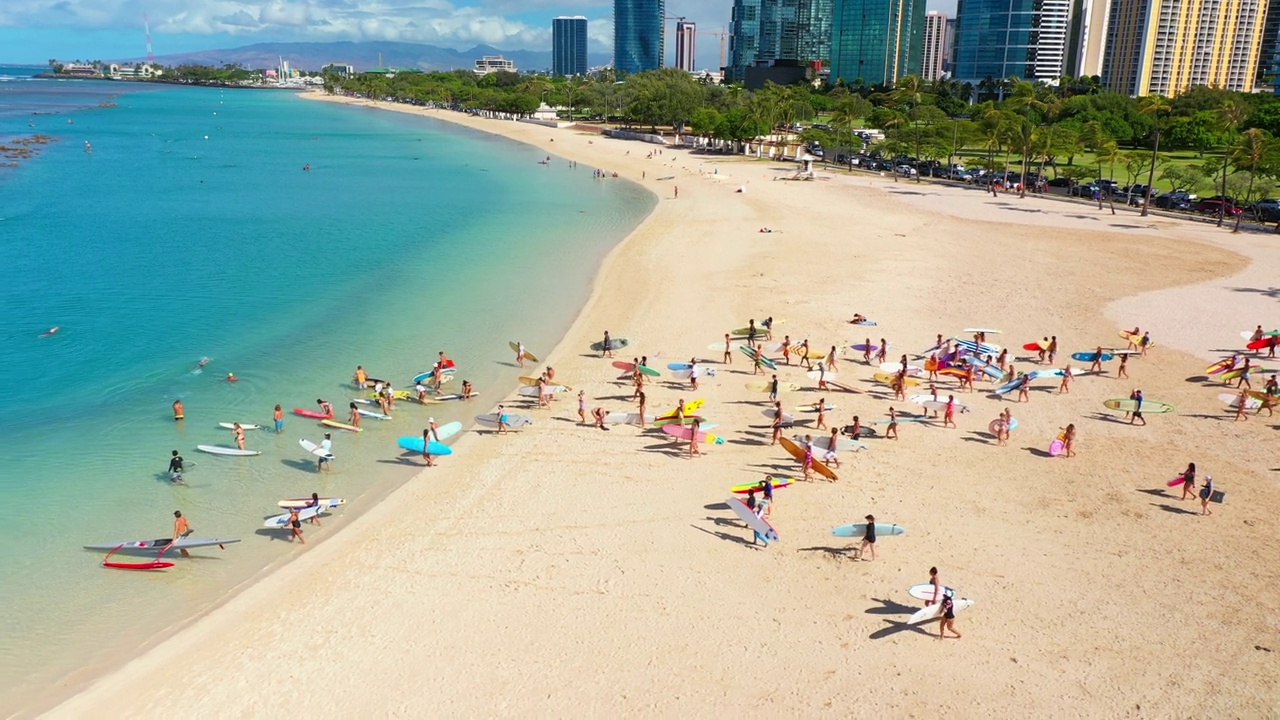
{"x": 569, "y": 45}
{"x": 1002, "y": 38}
{"x": 766, "y": 30}
{"x": 875, "y": 42}
{"x": 638, "y": 35}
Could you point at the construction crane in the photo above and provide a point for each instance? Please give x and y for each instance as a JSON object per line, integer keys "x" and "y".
{"x": 723, "y": 38}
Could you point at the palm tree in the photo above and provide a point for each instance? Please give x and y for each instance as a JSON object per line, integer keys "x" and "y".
{"x": 1153, "y": 105}
{"x": 910, "y": 91}
{"x": 1255, "y": 144}
{"x": 1025, "y": 101}
{"x": 1231, "y": 114}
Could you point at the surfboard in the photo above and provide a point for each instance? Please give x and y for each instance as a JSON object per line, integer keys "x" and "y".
{"x": 764, "y": 385}
{"x": 1135, "y": 339}
{"x": 1233, "y": 400}
{"x": 413, "y": 443}
{"x": 448, "y": 430}
{"x": 954, "y": 372}
{"x": 887, "y": 379}
{"x": 515, "y": 346}
{"x": 1036, "y": 346}
{"x": 513, "y": 421}
{"x": 455, "y": 396}
{"x": 841, "y": 386}
{"x": 533, "y": 391}
{"x": 1013, "y": 425}
{"x": 778, "y": 482}
{"x": 672, "y": 420}
{"x": 787, "y": 418}
{"x": 979, "y": 348}
{"x": 282, "y": 520}
{"x": 813, "y": 353}
{"x": 614, "y": 344}
{"x": 864, "y": 432}
{"x": 1089, "y": 356}
{"x": 925, "y": 591}
{"x": 893, "y": 368}
{"x": 689, "y": 408}
{"x": 821, "y": 375}
{"x": 873, "y": 348}
{"x": 813, "y": 407}
{"x": 797, "y": 452}
{"x": 1056, "y": 447}
{"x": 753, "y": 521}
{"x": 1240, "y": 372}
{"x": 222, "y": 450}
{"x": 685, "y": 374}
{"x": 941, "y": 405}
{"x": 310, "y": 414}
{"x": 630, "y": 367}
{"x": 1051, "y": 372}
{"x": 328, "y": 502}
{"x": 683, "y": 432}
{"x": 1262, "y": 344}
{"x": 860, "y": 529}
{"x": 679, "y": 366}
{"x": 843, "y": 444}
{"x": 753, "y": 354}
{"x": 621, "y": 418}
{"x": 1176, "y": 481}
{"x": 1218, "y": 367}
{"x": 985, "y": 367}
{"x": 988, "y": 331}
{"x": 373, "y": 414}
{"x": 243, "y": 426}
{"x": 1012, "y": 385}
{"x": 1153, "y": 407}
{"x": 315, "y": 449}
{"x": 934, "y": 612}
{"x": 430, "y": 374}
{"x": 395, "y": 394}
{"x": 341, "y": 425}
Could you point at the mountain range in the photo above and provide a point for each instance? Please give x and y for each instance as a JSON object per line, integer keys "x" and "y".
{"x": 362, "y": 56}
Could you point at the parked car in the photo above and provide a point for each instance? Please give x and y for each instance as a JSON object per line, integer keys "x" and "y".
{"x": 1061, "y": 182}
{"x": 1266, "y": 210}
{"x": 1172, "y": 202}
{"x": 906, "y": 170}
{"x": 960, "y": 174}
{"x": 1084, "y": 191}
{"x": 1217, "y": 207}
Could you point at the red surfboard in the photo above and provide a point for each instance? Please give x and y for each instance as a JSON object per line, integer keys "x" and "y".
{"x": 311, "y": 414}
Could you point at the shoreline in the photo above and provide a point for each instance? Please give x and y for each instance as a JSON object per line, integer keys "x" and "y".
{"x": 508, "y": 575}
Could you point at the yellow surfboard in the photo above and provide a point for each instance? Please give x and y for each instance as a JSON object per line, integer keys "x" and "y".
{"x": 887, "y": 379}
{"x": 515, "y": 346}
{"x": 689, "y": 408}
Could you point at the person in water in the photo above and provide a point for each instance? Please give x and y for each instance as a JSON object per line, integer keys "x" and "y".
{"x": 278, "y": 416}
{"x": 231, "y": 377}
{"x": 178, "y": 410}
{"x": 177, "y": 469}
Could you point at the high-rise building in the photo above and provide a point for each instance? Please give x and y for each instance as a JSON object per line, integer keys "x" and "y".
{"x": 935, "y": 46}
{"x": 1269, "y": 53}
{"x": 766, "y": 31}
{"x": 949, "y": 62}
{"x": 686, "y": 45}
{"x": 638, "y": 42}
{"x": 1166, "y": 46}
{"x": 569, "y": 45}
{"x": 875, "y": 42}
{"x": 1087, "y": 39}
{"x": 1003, "y": 38}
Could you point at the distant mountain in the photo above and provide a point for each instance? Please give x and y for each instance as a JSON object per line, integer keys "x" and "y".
{"x": 363, "y": 56}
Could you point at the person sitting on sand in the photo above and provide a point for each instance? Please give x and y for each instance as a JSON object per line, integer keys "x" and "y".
{"x": 858, "y": 319}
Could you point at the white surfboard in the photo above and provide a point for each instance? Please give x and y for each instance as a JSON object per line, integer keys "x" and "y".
{"x": 490, "y": 420}
{"x": 819, "y": 375}
{"x": 753, "y": 521}
{"x": 448, "y": 430}
{"x": 373, "y": 414}
{"x": 315, "y": 449}
{"x": 243, "y": 426}
{"x": 1233, "y": 400}
{"x": 924, "y": 591}
{"x": 532, "y": 391}
{"x": 813, "y": 407}
{"x": 282, "y": 520}
{"x": 328, "y": 502}
{"x": 704, "y": 372}
{"x": 622, "y": 418}
{"x": 935, "y": 611}
{"x": 221, "y": 450}
{"x": 941, "y": 405}
{"x": 843, "y": 444}
{"x": 786, "y": 416}
{"x": 893, "y": 367}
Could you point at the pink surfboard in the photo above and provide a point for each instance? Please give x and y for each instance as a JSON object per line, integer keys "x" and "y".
{"x": 1056, "y": 447}
{"x": 1176, "y": 481}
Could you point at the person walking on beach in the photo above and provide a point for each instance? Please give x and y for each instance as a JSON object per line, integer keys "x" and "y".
{"x": 939, "y": 591}
{"x": 1096, "y": 365}
{"x": 803, "y": 352}
{"x": 807, "y": 463}
{"x": 867, "y": 349}
{"x": 429, "y": 433}
{"x": 178, "y": 411}
{"x": 1122, "y": 370}
{"x": 638, "y": 379}
{"x": 1137, "y": 408}
{"x": 786, "y": 349}
{"x": 1064, "y": 388}
{"x": 177, "y": 469}
{"x": 1145, "y": 343}
{"x": 899, "y": 386}
{"x": 949, "y": 414}
{"x": 1188, "y": 481}
{"x": 822, "y": 376}
{"x": 776, "y": 425}
{"x": 1002, "y": 430}
{"x": 773, "y": 388}
{"x": 693, "y": 373}
{"x": 728, "y": 354}
{"x": 501, "y": 415}
{"x": 1024, "y": 389}
{"x": 582, "y": 407}
{"x": 1043, "y": 349}
{"x": 949, "y": 614}
{"x": 830, "y": 360}
{"x": 1069, "y": 441}
{"x": 295, "y": 526}
{"x": 641, "y": 409}
{"x": 891, "y": 432}
{"x": 676, "y": 188}
{"x": 883, "y": 352}
{"x": 239, "y": 434}
{"x": 1242, "y": 401}
{"x": 855, "y": 430}
{"x": 606, "y": 347}
{"x": 868, "y": 539}
{"x": 1053, "y": 348}
{"x": 693, "y": 438}
{"x": 822, "y": 415}
{"x": 1206, "y": 494}
{"x": 1244, "y": 374}
{"x": 181, "y": 529}
{"x": 757, "y": 361}
{"x": 520, "y": 353}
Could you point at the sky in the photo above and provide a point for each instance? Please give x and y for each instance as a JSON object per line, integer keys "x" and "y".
{"x": 35, "y": 31}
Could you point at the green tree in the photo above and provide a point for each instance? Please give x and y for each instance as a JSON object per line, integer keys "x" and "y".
{"x": 1230, "y": 114}
{"x": 1253, "y": 149}
{"x": 1153, "y": 105}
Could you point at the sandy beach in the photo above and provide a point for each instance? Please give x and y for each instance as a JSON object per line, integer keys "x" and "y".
{"x": 566, "y": 571}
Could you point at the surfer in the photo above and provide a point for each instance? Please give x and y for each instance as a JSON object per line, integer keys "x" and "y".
{"x": 582, "y": 407}
{"x": 804, "y": 354}
{"x": 606, "y": 347}
{"x": 1133, "y": 337}
{"x": 1137, "y": 408}
{"x": 728, "y": 356}
{"x": 949, "y": 413}
{"x": 822, "y": 415}
{"x": 1241, "y": 402}
{"x": 1053, "y": 348}
{"x": 867, "y": 349}
{"x": 176, "y": 469}
{"x": 353, "y": 416}
{"x": 50, "y": 331}
{"x": 1144, "y": 343}
{"x": 693, "y": 373}
{"x": 306, "y": 168}
{"x": 883, "y": 352}
{"x": 231, "y": 377}
{"x": 1096, "y": 365}
{"x": 427, "y": 436}
{"x": 641, "y": 409}
{"x": 544, "y": 394}
{"x": 295, "y": 526}
{"x": 178, "y": 410}
{"x": 693, "y": 438}
{"x": 1043, "y": 351}
{"x": 520, "y": 353}
{"x": 938, "y": 590}
{"x": 278, "y": 416}
{"x": 855, "y": 430}
{"x": 822, "y": 376}
{"x": 502, "y": 420}
{"x": 831, "y": 359}
{"x": 1244, "y": 374}
{"x": 751, "y": 332}
{"x": 326, "y": 409}
{"x": 239, "y": 433}
{"x": 773, "y": 388}
{"x": 361, "y": 377}
{"x": 325, "y": 459}
{"x": 181, "y": 529}
{"x": 776, "y": 425}
{"x": 807, "y": 463}
{"x": 786, "y": 349}
{"x": 948, "y": 617}
{"x": 868, "y": 539}
{"x": 467, "y": 390}
{"x": 833, "y": 444}
{"x": 1188, "y": 481}
{"x": 314, "y": 502}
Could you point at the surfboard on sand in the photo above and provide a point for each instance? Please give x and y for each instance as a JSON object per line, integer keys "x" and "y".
{"x": 934, "y": 612}
{"x": 515, "y": 346}
{"x": 761, "y": 526}
{"x": 797, "y": 452}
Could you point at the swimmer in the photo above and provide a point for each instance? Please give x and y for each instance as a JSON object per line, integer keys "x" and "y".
{"x": 231, "y": 377}
{"x": 50, "y": 331}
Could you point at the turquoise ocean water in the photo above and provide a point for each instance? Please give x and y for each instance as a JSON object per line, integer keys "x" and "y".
{"x": 192, "y": 231}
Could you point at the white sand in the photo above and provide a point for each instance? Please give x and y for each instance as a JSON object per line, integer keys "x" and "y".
{"x": 569, "y": 571}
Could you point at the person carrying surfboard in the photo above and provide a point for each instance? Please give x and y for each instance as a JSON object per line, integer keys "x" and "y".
{"x": 181, "y": 529}
{"x": 868, "y": 539}
{"x": 295, "y": 526}
{"x": 1242, "y": 402}
{"x": 804, "y": 355}
{"x": 1052, "y": 351}
{"x": 949, "y": 413}
{"x": 325, "y": 458}
{"x": 1064, "y": 388}
{"x": 693, "y": 438}
{"x": 1122, "y": 370}
{"x": 948, "y": 621}
{"x": 867, "y": 349}
{"x": 883, "y": 352}
{"x": 429, "y": 433}
{"x": 1188, "y": 481}
{"x": 1206, "y": 494}
{"x": 606, "y": 349}
{"x": 1096, "y": 365}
